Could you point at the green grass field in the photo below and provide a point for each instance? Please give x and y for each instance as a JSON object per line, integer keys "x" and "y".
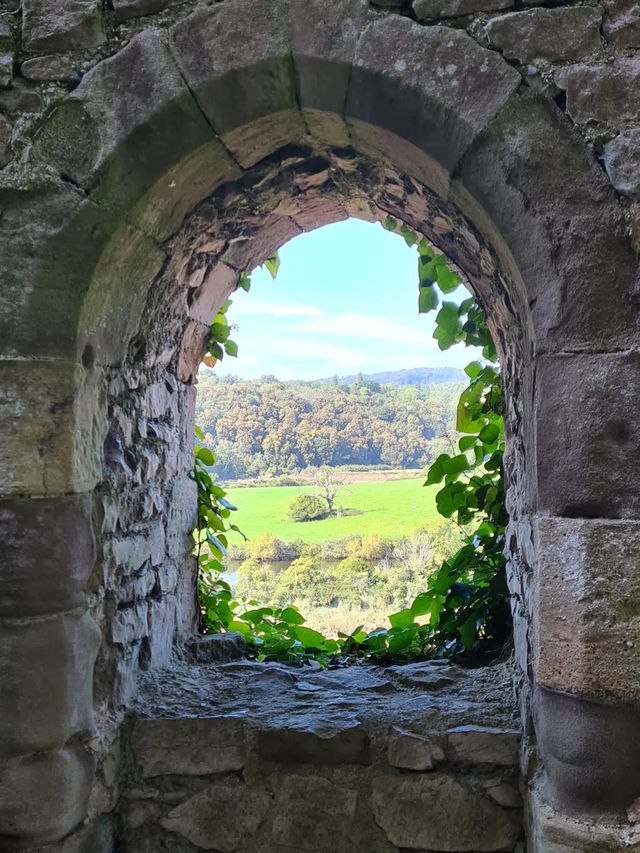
{"x": 390, "y": 508}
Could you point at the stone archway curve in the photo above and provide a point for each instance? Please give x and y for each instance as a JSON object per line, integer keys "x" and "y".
{"x": 150, "y": 133}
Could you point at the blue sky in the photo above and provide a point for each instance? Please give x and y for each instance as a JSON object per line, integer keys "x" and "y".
{"x": 345, "y": 300}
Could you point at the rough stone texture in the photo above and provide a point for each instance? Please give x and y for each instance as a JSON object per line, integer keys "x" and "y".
{"x": 552, "y": 35}
{"x": 591, "y": 753}
{"x": 73, "y": 25}
{"x": 41, "y": 69}
{"x": 586, "y": 633}
{"x": 476, "y": 745}
{"x": 583, "y": 453}
{"x": 432, "y": 92}
{"x": 43, "y": 796}
{"x": 306, "y": 792}
{"x": 188, "y": 747}
{"x": 436, "y": 812}
{"x": 349, "y": 746}
{"x": 412, "y": 751}
{"x": 621, "y": 23}
{"x": 44, "y": 574}
{"x": 220, "y": 648}
{"x": 427, "y": 10}
{"x": 6, "y": 70}
{"x": 622, "y": 162}
{"x": 606, "y": 93}
{"x": 554, "y": 832}
{"x": 254, "y": 38}
{"x": 221, "y": 817}
{"x": 314, "y": 814}
{"x": 126, "y": 9}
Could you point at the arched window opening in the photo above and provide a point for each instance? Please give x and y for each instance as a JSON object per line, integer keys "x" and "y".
{"x": 348, "y": 557}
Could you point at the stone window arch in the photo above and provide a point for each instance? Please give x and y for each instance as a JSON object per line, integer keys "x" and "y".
{"x": 126, "y": 224}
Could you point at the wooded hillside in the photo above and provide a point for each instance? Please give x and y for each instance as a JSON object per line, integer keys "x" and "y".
{"x": 266, "y": 426}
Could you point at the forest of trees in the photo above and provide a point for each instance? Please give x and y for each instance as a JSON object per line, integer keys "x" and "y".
{"x": 268, "y": 427}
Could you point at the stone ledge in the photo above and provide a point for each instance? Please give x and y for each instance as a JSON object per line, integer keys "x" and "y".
{"x": 266, "y": 757}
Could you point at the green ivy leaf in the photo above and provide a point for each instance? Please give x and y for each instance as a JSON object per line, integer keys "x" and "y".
{"x": 273, "y": 264}
{"x": 427, "y": 299}
{"x": 231, "y": 348}
{"x": 401, "y": 619}
{"x": 292, "y": 615}
{"x": 390, "y": 224}
{"x": 205, "y": 456}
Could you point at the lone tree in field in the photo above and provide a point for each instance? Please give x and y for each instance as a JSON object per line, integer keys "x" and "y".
{"x": 328, "y": 484}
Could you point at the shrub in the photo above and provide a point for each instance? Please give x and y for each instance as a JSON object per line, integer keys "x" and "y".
{"x": 268, "y": 548}
{"x": 307, "y": 507}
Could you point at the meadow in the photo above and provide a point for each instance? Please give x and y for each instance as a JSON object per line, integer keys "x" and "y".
{"x": 390, "y": 508}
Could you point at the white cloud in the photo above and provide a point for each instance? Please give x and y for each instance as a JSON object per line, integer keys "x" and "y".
{"x": 354, "y": 325}
{"x": 274, "y": 310}
{"x": 300, "y": 348}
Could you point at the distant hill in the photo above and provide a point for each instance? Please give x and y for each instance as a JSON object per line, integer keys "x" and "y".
{"x": 427, "y": 376}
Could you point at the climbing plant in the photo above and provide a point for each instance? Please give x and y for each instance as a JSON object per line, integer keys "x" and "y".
{"x": 465, "y": 606}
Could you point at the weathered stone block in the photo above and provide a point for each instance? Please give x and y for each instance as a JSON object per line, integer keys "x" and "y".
{"x": 71, "y": 25}
{"x": 551, "y": 204}
{"x": 439, "y": 96}
{"x": 621, "y": 23}
{"x": 591, "y": 754}
{"x": 220, "y": 648}
{"x": 41, "y": 69}
{"x": 46, "y": 672}
{"x": 43, "y": 796}
{"x": 608, "y": 93}
{"x": 222, "y": 817}
{"x": 313, "y": 814}
{"x": 96, "y": 142}
{"x": 622, "y": 162}
{"x": 46, "y": 554}
{"x": 130, "y": 624}
{"x": 45, "y": 428}
{"x": 162, "y": 210}
{"x": 480, "y": 745}
{"x": 323, "y": 50}
{"x": 412, "y": 751}
{"x": 551, "y": 35}
{"x": 189, "y": 747}
{"x": 237, "y": 61}
{"x": 436, "y": 812}
{"x": 349, "y": 745}
{"x": 586, "y": 612}
{"x": 586, "y": 435}
{"x": 427, "y": 10}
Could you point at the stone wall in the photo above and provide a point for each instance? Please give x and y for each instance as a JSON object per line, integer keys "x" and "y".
{"x": 152, "y": 150}
{"x": 413, "y": 757}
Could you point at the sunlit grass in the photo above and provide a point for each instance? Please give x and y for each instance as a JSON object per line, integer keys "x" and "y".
{"x": 390, "y": 508}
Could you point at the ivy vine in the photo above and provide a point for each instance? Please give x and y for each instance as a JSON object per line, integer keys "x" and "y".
{"x": 464, "y": 610}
